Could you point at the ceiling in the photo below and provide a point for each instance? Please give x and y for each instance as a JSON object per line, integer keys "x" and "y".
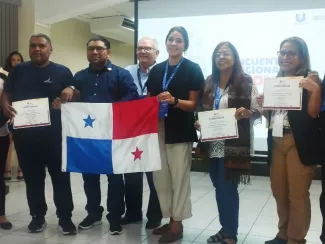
{"x": 106, "y": 16}
{"x": 179, "y": 8}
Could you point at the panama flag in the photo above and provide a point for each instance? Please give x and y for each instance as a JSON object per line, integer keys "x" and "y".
{"x": 110, "y": 138}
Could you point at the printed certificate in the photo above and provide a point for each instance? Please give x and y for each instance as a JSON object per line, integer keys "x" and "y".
{"x": 32, "y": 113}
{"x": 218, "y": 124}
{"x": 282, "y": 93}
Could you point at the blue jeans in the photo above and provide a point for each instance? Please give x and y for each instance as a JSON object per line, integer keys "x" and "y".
{"x": 227, "y": 198}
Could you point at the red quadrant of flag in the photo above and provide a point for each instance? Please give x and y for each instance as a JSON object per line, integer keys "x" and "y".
{"x": 135, "y": 118}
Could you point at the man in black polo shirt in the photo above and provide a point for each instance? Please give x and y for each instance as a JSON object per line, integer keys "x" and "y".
{"x": 40, "y": 147}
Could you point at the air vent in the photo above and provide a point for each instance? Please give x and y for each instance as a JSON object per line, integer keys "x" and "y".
{"x": 127, "y": 23}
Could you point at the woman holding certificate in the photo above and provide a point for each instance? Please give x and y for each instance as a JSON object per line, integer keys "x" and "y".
{"x": 293, "y": 142}
{"x": 228, "y": 91}
{"x": 176, "y": 83}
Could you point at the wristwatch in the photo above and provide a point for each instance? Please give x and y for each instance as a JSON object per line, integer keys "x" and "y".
{"x": 176, "y": 102}
{"x": 72, "y": 87}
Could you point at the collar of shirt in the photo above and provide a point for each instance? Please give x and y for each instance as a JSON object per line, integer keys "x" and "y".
{"x": 149, "y": 69}
{"x": 108, "y": 67}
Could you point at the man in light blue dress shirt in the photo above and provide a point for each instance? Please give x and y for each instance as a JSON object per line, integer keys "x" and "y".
{"x": 147, "y": 53}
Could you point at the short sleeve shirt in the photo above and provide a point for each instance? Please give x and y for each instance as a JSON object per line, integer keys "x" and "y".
{"x": 179, "y": 124}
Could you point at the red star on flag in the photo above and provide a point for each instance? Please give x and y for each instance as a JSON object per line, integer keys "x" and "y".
{"x": 137, "y": 154}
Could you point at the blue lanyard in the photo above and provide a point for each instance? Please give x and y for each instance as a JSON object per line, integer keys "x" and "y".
{"x": 167, "y": 82}
{"x": 217, "y": 97}
{"x": 323, "y": 105}
{"x": 143, "y": 87}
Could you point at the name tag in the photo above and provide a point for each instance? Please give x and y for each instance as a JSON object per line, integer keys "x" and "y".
{"x": 163, "y": 110}
{"x": 277, "y": 130}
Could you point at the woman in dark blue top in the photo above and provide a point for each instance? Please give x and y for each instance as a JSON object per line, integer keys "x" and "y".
{"x": 176, "y": 83}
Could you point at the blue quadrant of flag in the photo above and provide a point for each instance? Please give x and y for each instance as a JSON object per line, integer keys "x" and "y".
{"x": 89, "y": 155}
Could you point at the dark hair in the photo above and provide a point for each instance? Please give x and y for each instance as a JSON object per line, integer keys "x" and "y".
{"x": 184, "y": 33}
{"x": 8, "y": 65}
{"x": 102, "y": 39}
{"x": 303, "y": 53}
{"x": 41, "y": 35}
{"x": 237, "y": 75}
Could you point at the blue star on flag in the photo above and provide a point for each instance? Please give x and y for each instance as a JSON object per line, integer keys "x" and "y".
{"x": 89, "y": 121}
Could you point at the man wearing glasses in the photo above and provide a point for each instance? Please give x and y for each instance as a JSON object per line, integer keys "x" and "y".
{"x": 147, "y": 53}
{"x": 103, "y": 82}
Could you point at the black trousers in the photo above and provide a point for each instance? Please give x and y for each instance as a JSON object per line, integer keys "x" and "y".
{"x": 322, "y": 195}
{"x": 4, "y": 147}
{"x": 322, "y": 204}
{"x": 37, "y": 149}
{"x": 115, "y": 196}
{"x": 133, "y": 197}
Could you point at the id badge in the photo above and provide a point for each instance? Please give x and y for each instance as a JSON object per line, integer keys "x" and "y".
{"x": 10, "y": 127}
{"x": 278, "y": 125}
{"x": 163, "y": 110}
{"x": 323, "y": 106}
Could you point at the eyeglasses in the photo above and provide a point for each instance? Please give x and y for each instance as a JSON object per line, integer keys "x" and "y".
{"x": 223, "y": 54}
{"x": 289, "y": 53}
{"x": 97, "y": 48}
{"x": 146, "y": 49}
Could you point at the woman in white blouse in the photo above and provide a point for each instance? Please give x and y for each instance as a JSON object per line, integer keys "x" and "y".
{"x": 230, "y": 87}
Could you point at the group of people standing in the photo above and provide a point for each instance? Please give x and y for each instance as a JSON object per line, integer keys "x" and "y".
{"x": 180, "y": 83}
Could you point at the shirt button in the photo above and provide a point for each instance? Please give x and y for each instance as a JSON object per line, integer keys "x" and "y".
{"x": 94, "y": 94}
{"x": 97, "y": 74}
{"x": 96, "y": 84}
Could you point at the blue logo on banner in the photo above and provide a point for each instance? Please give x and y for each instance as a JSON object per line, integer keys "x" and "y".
{"x": 300, "y": 17}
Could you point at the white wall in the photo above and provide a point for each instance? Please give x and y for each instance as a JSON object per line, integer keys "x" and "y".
{"x": 69, "y": 40}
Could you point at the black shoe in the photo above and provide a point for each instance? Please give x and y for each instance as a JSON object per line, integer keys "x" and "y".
{"x": 127, "y": 220}
{"x": 67, "y": 227}
{"x": 89, "y": 222}
{"x": 150, "y": 225}
{"x": 37, "y": 225}
{"x": 115, "y": 229}
{"x": 6, "y": 226}
{"x": 276, "y": 240}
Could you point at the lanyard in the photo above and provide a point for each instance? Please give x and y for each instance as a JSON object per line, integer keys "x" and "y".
{"x": 218, "y": 96}
{"x": 167, "y": 82}
{"x": 143, "y": 87}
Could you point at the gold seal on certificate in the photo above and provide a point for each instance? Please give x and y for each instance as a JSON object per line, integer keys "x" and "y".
{"x": 32, "y": 113}
{"x": 218, "y": 125}
{"x": 282, "y": 93}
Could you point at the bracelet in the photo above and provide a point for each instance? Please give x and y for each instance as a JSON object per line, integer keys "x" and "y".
{"x": 176, "y": 102}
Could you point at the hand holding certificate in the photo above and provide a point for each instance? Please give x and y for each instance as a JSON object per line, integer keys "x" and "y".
{"x": 32, "y": 113}
{"x": 282, "y": 93}
{"x": 218, "y": 125}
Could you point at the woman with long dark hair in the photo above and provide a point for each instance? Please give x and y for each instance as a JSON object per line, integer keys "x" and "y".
{"x": 230, "y": 87}
{"x": 176, "y": 83}
{"x": 294, "y": 156}
{"x": 4, "y": 146}
{"x": 12, "y": 60}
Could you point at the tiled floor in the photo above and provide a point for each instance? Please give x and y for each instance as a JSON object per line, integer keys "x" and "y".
{"x": 258, "y": 218}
